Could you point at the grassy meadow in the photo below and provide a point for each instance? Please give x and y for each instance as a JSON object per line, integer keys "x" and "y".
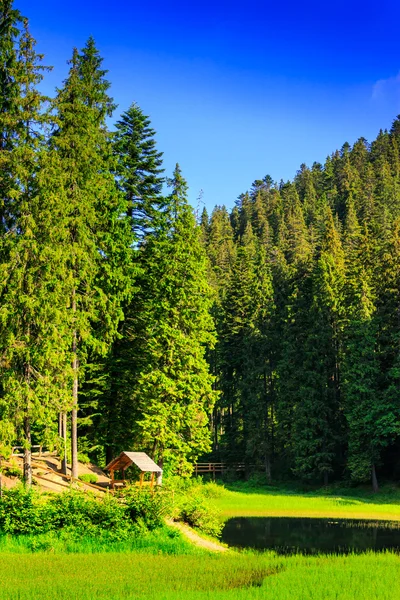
{"x": 163, "y": 565}
{"x": 247, "y": 576}
{"x": 243, "y": 500}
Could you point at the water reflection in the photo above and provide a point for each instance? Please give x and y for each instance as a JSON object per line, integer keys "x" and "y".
{"x": 311, "y": 536}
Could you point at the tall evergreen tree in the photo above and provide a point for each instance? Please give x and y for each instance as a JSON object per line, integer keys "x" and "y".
{"x": 172, "y": 326}
{"x": 98, "y": 263}
{"x": 139, "y": 168}
{"x": 362, "y": 400}
{"x": 29, "y": 292}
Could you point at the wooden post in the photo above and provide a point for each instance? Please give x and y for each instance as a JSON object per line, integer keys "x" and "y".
{"x": 152, "y": 481}
{"x": 159, "y": 478}
{"x": 141, "y": 479}
{"x": 112, "y": 478}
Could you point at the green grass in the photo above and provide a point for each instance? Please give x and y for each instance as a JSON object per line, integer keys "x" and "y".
{"x": 240, "y": 500}
{"x": 164, "y": 566}
{"x": 164, "y": 540}
{"x": 120, "y": 576}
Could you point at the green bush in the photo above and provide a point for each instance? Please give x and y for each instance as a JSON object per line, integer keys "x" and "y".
{"x": 13, "y": 471}
{"x": 86, "y": 513}
{"x": 195, "y": 508}
{"x": 83, "y": 458}
{"x": 29, "y": 512}
{"x": 198, "y": 513}
{"x": 130, "y": 513}
{"x": 213, "y": 490}
{"x": 147, "y": 506}
{"x": 88, "y": 478}
{"x": 23, "y": 511}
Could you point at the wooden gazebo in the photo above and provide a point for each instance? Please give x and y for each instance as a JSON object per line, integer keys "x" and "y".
{"x": 141, "y": 460}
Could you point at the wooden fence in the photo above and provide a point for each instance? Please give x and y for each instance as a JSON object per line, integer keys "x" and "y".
{"x": 218, "y": 468}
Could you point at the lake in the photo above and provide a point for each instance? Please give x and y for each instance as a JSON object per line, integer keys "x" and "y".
{"x": 287, "y": 535}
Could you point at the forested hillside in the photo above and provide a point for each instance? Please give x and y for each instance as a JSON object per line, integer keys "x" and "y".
{"x": 307, "y": 280}
{"x": 269, "y": 334}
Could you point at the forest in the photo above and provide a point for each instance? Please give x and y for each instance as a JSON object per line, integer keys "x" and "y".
{"x": 268, "y": 334}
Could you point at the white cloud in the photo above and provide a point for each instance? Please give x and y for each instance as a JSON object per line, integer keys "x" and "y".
{"x": 387, "y": 90}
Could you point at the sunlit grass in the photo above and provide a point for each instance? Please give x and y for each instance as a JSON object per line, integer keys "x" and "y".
{"x": 276, "y": 502}
{"x": 163, "y": 565}
{"x": 163, "y": 540}
{"x": 117, "y": 576}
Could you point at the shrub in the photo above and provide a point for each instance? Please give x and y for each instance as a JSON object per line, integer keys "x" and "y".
{"x": 22, "y": 511}
{"x": 13, "y": 471}
{"x": 41, "y": 544}
{"x": 85, "y": 512}
{"x": 83, "y": 458}
{"x": 146, "y": 506}
{"x": 88, "y": 478}
{"x": 213, "y": 490}
{"x": 29, "y": 512}
{"x": 202, "y": 516}
{"x": 195, "y": 509}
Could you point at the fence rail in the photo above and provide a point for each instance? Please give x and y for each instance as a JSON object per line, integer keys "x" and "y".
{"x": 219, "y": 467}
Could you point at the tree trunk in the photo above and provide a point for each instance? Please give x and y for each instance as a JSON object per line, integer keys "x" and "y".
{"x": 268, "y": 468}
{"x": 74, "y": 413}
{"x": 109, "y": 454}
{"x": 326, "y": 478}
{"x": 27, "y": 453}
{"x": 63, "y": 432}
{"x": 375, "y": 485}
{"x": 112, "y": 401}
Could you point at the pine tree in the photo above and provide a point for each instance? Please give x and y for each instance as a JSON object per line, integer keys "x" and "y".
{"x": 221, "y": 247}
{"x": 236, "y": 328}
{"x": 205, "y": 226}
{"x": 139, "y": 168}
{"x": 363, "y": 406}
{"x": 311, "y": 359}
{"x": 30, "y": 323}
{"x": 172, "y": 326}
{"x": 98, "y": 263}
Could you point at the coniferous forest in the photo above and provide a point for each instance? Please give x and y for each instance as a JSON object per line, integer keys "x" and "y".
{"x": 268, "y": 334}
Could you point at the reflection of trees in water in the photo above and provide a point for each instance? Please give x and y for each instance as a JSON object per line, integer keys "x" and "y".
{"x": 311, "y": 536}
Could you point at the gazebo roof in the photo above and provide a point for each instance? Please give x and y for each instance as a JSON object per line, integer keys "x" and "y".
{"x": 140, "y": 459}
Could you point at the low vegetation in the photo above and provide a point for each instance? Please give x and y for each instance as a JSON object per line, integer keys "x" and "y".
{"x": 30, "y": 512}
{"x": 88, "y": 478}
{"x": 241, "y": 499}
{"x": 120, "y": 548}
{"x": 197, "y": 576}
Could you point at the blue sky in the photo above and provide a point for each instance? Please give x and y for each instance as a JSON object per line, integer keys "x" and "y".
{"x": 238, "y": 90}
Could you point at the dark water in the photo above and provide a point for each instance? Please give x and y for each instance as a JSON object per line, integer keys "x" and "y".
{"x": 311, "y": 536}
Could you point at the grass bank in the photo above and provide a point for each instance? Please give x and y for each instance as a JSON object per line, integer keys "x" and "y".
{"x": 244, "y": 500}
{"x": 161, "y": 564}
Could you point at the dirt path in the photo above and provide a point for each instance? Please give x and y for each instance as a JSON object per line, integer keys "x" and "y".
{"x": 46, "y": 474}
{"x": 195, "y": 538}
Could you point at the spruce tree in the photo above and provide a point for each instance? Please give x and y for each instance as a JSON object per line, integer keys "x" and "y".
{"x": 30, "y": 324}
{"x": 172, "y": 327}
{"x": 363, "y": 406}
{"x": 139, "y": 168}
{"x": 96, "y": 225}
{"x": 139, "y": 177}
